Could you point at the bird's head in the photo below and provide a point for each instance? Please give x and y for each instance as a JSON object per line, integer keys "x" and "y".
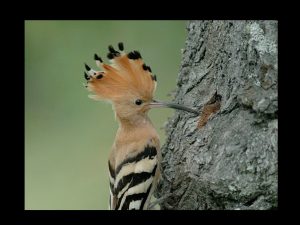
{"x": 127, "y": 82}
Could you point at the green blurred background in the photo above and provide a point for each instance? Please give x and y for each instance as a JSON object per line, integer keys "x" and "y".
{"x": 67, "y": 135}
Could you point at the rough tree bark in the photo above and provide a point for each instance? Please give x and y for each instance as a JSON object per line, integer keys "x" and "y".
{"x": 230, "y": 162}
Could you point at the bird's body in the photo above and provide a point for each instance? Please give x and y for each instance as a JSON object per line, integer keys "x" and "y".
{"x": 134, "y": 161}
{"x": 134, "y": 165}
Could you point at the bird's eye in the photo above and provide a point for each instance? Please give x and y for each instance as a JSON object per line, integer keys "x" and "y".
{"x": 138, "y": 102}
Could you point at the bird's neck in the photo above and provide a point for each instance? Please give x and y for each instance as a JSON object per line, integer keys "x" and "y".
{"x": 132, "y": 135}
{"x": 135, "y": 123}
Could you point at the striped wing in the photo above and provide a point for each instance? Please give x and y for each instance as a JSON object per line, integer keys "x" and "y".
{"x": 131, "y": 184}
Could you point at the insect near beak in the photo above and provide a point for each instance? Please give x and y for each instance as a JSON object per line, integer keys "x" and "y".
{"x": 158, "y": 104}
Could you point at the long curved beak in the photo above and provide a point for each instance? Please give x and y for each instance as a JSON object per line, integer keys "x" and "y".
{"x": 158, "y": 104}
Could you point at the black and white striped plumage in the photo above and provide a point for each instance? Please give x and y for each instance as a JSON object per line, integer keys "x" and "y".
{"x": 133, "y": 180}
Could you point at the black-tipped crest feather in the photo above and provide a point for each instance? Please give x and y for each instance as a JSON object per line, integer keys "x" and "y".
{"x": 121, "y": 46}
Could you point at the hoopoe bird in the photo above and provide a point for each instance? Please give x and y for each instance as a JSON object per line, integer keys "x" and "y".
{"x": 134, "y": 161}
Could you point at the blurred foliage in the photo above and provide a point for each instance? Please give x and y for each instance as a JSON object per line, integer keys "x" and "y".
{"x": 67, "y": 135}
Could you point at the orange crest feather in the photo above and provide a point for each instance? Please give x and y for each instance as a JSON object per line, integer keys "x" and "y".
{"x": 126, "y": 77}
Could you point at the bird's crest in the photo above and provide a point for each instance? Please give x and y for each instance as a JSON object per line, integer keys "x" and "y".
{"x": 125, "y": 77}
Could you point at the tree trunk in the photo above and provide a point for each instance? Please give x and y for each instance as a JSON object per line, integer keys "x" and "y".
{"x": 228, "y": 160}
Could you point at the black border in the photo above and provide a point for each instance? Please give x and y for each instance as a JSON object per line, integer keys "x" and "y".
{"x": 16, "y": 180}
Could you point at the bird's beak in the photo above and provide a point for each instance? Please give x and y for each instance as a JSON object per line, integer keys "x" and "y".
{"x": 158, "y": 104}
